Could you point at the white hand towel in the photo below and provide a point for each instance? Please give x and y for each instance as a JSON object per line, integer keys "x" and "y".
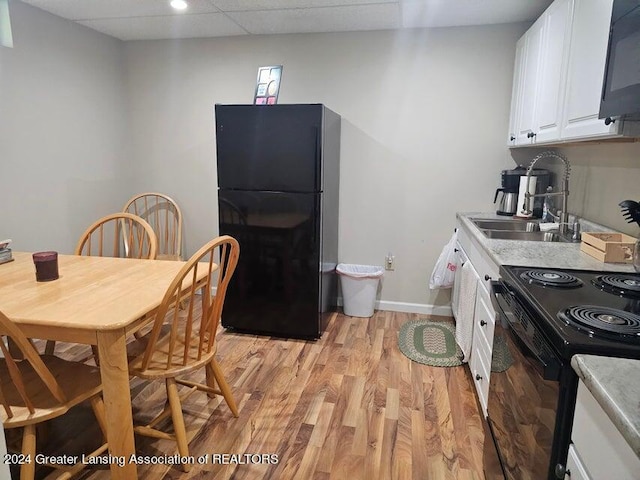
{"x": 466, "y": 309}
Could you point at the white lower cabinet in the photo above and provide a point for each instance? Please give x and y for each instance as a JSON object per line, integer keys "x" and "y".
{"x": 599, "y": 451}
{"x": 483, "y": 316}
{"x": 575, "y": 467}
{"x": 482, "y": 346}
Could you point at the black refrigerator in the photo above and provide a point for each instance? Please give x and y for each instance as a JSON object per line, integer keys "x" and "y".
{"x": 278, "y": 182}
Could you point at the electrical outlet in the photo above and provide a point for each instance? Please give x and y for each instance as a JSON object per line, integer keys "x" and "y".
{"x": 388, "y": 262}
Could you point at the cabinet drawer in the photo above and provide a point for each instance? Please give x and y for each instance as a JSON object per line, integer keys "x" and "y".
{"x": 480, "y": 376}
{"x": 575, "y": 468}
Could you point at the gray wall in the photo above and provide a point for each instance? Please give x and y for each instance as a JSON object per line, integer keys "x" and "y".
{"x": 87, "y": 121}
{"x": 603, "y": 175}
{"x": 62, "y": 130}
{"x": 424, "y": 119}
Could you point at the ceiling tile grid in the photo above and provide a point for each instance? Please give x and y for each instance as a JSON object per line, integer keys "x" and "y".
{"x": 257, "y": 5}
{"x": 93, "y": 9}
{"x": 163, "y": 27}
{"x": 156, "y": 19}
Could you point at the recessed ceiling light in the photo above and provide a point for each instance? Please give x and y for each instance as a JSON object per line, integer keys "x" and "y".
{"x": 179, "y": 4}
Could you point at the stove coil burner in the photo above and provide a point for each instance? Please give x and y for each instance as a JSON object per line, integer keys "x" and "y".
{"x": 619, "y": 284}
{"x": 551, "y": 278}
{"x": 603, "y": 321}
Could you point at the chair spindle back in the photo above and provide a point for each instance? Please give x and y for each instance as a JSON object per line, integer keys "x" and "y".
{"x": 186, "y": 332}
{"x": 164, "y": 216}
{"x": 119, "y": 235}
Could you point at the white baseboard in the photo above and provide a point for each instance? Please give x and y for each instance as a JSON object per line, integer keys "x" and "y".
{"x": 423, "y": 308}
{"x": 443, "y": 310}
{"x": 426, "y": 309}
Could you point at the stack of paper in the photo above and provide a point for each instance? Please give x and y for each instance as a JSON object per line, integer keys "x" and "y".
{"x": 5, "y": 251}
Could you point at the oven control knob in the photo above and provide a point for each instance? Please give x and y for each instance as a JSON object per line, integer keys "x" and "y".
{"x": 487, "y": 278}
{"x": 561, "y": 471}
{"x": 482, "y": 323}
{"x": 478, "y": 376}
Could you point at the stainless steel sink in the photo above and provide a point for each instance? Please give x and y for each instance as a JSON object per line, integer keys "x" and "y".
{"x": 514, "y": 235}
{"x": 510, "y": 225}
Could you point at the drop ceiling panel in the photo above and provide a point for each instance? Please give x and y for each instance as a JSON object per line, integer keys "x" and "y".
{"x": 92, "y": 9}
{"x": 446, "y": 13}
{"x": 327, "y": 19}
{"x": 155, "y": 19}
{"x": 155, "y": 28}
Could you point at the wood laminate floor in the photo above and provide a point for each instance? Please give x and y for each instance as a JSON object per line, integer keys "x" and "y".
{"x": 349, "y": 406}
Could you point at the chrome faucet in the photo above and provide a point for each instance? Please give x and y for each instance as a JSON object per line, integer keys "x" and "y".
{"x": 564, "y": 214}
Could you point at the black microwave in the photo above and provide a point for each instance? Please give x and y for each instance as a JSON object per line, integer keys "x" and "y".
{"x": 621, "y": 85}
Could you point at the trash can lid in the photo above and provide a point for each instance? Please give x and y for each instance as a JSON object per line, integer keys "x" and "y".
{"x": 360, "y": 271}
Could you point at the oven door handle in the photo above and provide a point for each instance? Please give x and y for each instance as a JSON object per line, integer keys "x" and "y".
{"x": 496, "y": 288}
{"x": 548, "y": 367}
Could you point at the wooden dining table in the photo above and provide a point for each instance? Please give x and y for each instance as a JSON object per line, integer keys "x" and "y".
{"x": 96, "y": 301}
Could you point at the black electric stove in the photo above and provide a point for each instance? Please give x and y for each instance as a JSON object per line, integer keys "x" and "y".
{"x": 581, "y": 311}
{"x": 545, "y": 317}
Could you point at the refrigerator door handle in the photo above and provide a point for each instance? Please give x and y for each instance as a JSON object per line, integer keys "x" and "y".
{"x": 318, "y": 155}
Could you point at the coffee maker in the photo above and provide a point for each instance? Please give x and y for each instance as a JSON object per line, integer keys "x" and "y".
{"x": 510, "y": 181}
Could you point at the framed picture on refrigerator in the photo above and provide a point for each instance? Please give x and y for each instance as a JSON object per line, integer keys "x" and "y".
{"x": 268, "y": 85}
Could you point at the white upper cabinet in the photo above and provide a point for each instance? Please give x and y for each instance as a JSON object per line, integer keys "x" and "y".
{"x": 516, "y": 90}
{"x": 551, "y": 84}
{"x": 585, "y": 73}
{"x": 538, "y": 84}
{"x": 558, "y": 75}
{"x": 531, "y": 56}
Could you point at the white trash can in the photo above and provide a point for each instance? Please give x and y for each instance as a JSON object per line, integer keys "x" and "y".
{"x": 359, "y": 286}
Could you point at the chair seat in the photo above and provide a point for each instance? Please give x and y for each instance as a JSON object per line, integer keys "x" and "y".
{"x": 157, "y": 367}
{"x": 78, "y": 381}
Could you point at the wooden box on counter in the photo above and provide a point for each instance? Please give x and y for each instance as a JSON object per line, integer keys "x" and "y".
{"x": 609, "y": 247}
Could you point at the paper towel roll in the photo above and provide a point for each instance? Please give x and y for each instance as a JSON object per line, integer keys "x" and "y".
{"x": 521, "y": 201}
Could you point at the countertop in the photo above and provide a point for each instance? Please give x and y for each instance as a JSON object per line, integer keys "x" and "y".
{"x": 539, "y": 254}
{"x": 615, "y": 384}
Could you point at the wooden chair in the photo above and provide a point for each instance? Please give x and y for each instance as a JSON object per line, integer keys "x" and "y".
{"x": 116, "y": 235}
{"x": 229, "y": 214}
{"x": 165, "y": 217}
{"x": 119, "y": 235}
{"x": 34, "y": 389}
{"x": 178, "y": 344}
